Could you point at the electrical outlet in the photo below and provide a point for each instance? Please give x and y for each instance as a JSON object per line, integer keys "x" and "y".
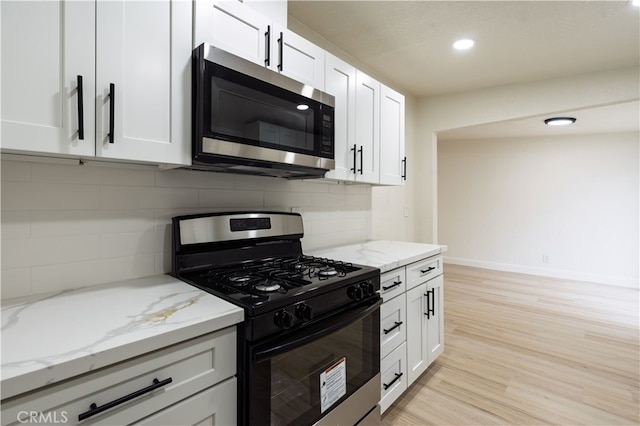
{"x": 545, "y": 258}
{"x": 296, "y": 210}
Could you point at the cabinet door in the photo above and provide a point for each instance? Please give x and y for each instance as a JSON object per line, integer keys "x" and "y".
{"x": 340, "y": 81}
{"x": 435, "y": 320}
{"x": 143, "y": 56}
{"x": 367, "y": 128}
{"x": 235, "y": 28}
{"x": 391, "y": 136}
{"x": 298, "y": 58}
{"x": 46, "y": 45}
{"x": 417, "y": 356}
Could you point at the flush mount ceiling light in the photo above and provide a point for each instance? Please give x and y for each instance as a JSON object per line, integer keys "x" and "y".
{"x": 464, "y": 44}
{"x": 559, "y": 121}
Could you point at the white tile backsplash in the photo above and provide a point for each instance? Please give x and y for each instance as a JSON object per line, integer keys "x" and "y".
{"x": 68, "y": 226}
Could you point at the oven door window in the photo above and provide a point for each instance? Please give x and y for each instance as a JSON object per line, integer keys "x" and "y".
{"x": 246, "y": 110}
{"x": 303, "y": 384}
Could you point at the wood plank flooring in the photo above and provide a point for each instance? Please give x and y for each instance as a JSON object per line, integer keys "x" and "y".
{"x": 527, "y": 350}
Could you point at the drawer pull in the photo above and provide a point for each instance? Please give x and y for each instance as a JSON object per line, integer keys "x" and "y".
{"x": 94, "y": 409}
{"x": 395, "y": 379}
{"x": 429, "y": 269}
{"x": 395, "y": 284}
{"x": 397, "y": 324}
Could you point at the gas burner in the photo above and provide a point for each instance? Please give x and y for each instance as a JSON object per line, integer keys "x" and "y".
{"x": 329, "y": 271}
{"x": 267, "y": 288}
{"x": 239, "y": 279}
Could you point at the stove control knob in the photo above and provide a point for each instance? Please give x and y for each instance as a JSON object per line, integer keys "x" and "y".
{"x": 304, "y": 311}
{"x": 367, "y": 288}
{"x": 284, "y": 319}
{"x": 354, "y": 293}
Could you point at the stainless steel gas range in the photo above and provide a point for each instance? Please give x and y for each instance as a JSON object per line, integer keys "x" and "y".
{"x": 309, "y": 348}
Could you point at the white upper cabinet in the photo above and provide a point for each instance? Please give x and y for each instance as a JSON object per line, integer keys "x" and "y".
{"x": 340, "y": 81}
{"x": 298, "y": 58}
{"x": 367, "y": 129}
{"x": 239, "y": 29}
{"x": 392, "y": 159}
{"x": 133, "y": 61}
{"x": 48, "y": 47}
{"x": 143, "y": 54}
{"x": 232, "y": 27}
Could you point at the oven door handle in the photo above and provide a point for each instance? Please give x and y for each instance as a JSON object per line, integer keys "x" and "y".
{"x": 321, "y": 329}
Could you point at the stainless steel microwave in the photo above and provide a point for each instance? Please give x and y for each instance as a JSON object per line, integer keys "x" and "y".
{"x": 250, "y": 119}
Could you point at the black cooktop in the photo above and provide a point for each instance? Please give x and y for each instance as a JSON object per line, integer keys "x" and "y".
{"x": 273, "y": 282}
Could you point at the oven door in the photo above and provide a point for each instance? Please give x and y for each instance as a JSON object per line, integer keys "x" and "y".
{"x": 300, "y": 378}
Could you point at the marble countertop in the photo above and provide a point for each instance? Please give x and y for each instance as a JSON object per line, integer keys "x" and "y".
{"x": 385, "y": 255}
{"x": 51, "y": 337}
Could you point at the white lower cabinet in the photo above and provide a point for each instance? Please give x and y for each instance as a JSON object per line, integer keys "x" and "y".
{"x": 411, "y": 324}
{"x": 393, "y": 372}
{"x": 425, "y": 326}
{"x": 177, "y": 382}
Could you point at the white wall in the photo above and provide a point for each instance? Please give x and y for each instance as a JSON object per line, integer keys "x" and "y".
{"x": 66, "y": 226}
{"x": 504, "y": 103}
{"x": 506, "y": 203}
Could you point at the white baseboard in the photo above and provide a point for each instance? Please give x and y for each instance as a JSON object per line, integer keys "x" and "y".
{"x": 617, "y": 281}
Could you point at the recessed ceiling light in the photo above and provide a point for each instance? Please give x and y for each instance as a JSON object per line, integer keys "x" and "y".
{"x": 464, "y": 44}
{"x": 559, "y": 121}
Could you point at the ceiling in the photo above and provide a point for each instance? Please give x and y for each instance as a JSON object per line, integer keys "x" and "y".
{"x": 409, "y": 44}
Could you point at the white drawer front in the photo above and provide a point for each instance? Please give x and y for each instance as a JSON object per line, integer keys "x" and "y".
{"x": 393, "y": 283}
{"x": 394, "y": 376}
{"x": 423, "y": 270}
{"x": 192, "y": 366}
{"x": 214, "y": 406}
{"x": 393, "y": 329}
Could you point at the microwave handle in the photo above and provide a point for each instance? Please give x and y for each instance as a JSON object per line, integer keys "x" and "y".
{"x": 321, "y": 329}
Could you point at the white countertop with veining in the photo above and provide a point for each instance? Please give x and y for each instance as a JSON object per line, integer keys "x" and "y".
{"x": 51, "y": 337}
{"x": 385, "y": 255}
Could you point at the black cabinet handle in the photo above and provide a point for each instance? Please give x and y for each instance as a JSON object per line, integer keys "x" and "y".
{"x": 112, "y": 111}
{"x": 355, "y": 147}
{"x": 395, "y": 284}
{"x": 361, "y": 162}
{"x": 404, "y": 168}
{"x": 281, "y": 48}
{"x": 429, "y": 269}
{"x": 396, "y": 325}
{"x": 431, "y": 302}
{"x": 80, "y": 110}
{"x": 267, "y": 35}
{"x": 428, "y": 305}
{"x": 94, "y": 409}
{"x": 395, "y": 379}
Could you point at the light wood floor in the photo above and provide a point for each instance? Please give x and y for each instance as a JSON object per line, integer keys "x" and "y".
{"x": 521, "y": 349}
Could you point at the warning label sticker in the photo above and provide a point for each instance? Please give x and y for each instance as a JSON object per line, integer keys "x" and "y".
{"x": 333, "y": 384}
